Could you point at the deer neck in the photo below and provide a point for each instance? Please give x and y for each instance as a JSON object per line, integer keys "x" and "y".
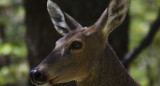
{"x": 108, "y": 72}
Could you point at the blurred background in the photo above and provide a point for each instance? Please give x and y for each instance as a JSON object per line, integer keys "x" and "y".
{"x": 27, "y": 36}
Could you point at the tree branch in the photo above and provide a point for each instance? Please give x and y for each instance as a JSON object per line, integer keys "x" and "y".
{"x": 130, "y": 56}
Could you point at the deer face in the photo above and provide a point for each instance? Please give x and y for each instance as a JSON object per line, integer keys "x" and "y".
{"x": 75, "y": 52}
{"x": 70, "y": 60}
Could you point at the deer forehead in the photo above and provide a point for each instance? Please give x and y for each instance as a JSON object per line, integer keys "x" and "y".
{"x": 72, "y": 36}
{"x": 83, "y": 35}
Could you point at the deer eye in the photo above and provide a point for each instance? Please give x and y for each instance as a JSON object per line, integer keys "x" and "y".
{"x": 76, "y": 45}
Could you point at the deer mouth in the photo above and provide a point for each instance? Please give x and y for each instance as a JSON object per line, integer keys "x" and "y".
{"x": 53, "y": 81}
{"x": 47, "y": 83}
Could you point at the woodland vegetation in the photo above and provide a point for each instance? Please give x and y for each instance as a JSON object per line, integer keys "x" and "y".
{"x": 27, "y": 36}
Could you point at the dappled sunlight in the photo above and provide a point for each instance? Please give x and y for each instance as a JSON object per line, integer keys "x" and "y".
{"x": 14, "y": 73}
{"x": 14, "y": 66}
{"x": 146, "y": 66}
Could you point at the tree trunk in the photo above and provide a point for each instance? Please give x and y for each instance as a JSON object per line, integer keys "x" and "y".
{"x": 2, "y": 33}
{"x": 119, "y": 38}
{"x": 2, "y": 28}
{"x": 41, "y": 35}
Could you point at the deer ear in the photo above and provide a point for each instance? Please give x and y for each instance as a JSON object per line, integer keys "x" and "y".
{"x": 113, "y": 16}
{"x": 63, "y": 23}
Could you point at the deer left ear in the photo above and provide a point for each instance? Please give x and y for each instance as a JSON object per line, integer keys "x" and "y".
{"x": 113, "y": 16}
{"x": 63, "y": 23}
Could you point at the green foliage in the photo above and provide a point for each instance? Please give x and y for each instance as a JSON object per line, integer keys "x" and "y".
{"x": 12, "y": 17}
{"x": 145, "y": 68}
{"x": 142, "y": 13}
{"x": 157, "y": 3}
{"x": 8, "y": 48}
{"x": 5, "y": 3}
{"x": 16, "y": 73}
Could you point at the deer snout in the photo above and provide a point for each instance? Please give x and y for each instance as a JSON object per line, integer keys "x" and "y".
{"x": 37, "y": 77}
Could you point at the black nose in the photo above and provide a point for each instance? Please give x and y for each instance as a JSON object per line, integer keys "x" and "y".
{"x": 37, "y": 77}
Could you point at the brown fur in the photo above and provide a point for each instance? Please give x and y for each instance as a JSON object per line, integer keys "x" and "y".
{"x": 95, "y": 64}
{"x": 108, "y": 72}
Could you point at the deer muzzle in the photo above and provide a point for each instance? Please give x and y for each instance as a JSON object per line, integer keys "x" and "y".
{"x": 37, "y": 77}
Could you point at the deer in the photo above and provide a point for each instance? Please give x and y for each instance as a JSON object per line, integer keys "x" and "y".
{"x": 84, "y": 54}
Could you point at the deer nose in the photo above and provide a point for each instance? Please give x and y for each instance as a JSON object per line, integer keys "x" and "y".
{"x": 37, "y": 77}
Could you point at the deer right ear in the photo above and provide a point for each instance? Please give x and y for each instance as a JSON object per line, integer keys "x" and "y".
{"x": 63, "y": 23}
{"x": 113, "y": 16}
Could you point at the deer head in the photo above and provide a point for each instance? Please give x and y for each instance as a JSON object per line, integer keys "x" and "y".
{"x": 80, "y": 47}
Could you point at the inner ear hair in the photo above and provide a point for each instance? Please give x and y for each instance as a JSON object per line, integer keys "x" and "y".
{"x": 63, "y": 23}
{"x": 113, "y": 16}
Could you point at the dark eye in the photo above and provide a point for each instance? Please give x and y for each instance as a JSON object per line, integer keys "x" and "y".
{"x": 76, "y": 45}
